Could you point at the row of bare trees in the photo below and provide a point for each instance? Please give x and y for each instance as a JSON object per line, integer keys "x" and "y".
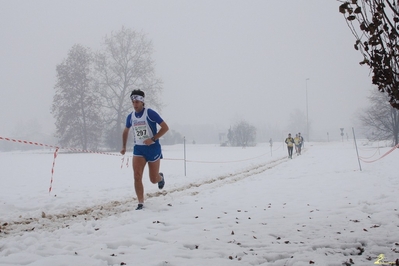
{"x": 92, "y": 91}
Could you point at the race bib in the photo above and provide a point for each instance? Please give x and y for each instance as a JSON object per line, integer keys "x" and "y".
{"x": 141, "y": 132}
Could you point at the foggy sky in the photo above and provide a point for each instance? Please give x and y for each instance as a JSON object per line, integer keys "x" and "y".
{"x": 220, "y": 61}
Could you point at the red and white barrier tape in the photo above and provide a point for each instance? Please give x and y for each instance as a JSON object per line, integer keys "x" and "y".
{"x": 388, "y": 152}
{"x": 28, "y": 142}
{"x": 56, "y": 152}
{"x": 127, "y": 162}
{"x": 52, "y": 171}
{"x": 56, "y": 147}
{"x": 98, "y": 152}
{"x": 377, "y": 150}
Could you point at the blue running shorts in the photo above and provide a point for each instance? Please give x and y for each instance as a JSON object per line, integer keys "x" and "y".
{"x": 151, "y": 153}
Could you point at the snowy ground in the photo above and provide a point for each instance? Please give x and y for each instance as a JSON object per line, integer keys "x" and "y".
{"x": 234, "y": 206}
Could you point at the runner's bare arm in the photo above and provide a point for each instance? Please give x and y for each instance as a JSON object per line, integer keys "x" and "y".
{"x": 164, "y": 128}
{"x": 125, "y": 135}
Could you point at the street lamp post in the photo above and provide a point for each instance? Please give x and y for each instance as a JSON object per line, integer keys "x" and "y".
{"x": 307, "y": 110}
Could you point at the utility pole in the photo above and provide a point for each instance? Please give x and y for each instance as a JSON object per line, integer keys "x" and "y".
{"x": 307, "y": 111}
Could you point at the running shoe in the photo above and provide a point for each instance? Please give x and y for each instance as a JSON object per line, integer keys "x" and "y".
{"x": 161, "y": 183}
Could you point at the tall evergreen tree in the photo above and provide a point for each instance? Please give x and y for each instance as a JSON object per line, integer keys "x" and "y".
{"x": 76, "y": 106}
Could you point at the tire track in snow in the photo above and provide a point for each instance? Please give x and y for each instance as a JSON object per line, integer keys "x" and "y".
{"x": 51, "y": 222}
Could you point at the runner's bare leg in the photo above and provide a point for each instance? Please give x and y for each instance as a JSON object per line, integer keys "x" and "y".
{"x": 138, "y": 169}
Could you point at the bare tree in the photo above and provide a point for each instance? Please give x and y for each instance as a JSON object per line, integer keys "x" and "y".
{"x": 125, "y": 65}
{"x": 242, "y": 134}
{"x": 374, "y": 23}
{"x": 380, "y": 119}
{"x": 76, "y": 106}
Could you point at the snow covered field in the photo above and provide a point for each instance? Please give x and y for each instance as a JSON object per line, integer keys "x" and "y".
{"x": 234, "y": 206}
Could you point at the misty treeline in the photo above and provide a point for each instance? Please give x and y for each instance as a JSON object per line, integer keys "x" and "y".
{"x": 380, "y": 120}
{"x": 241, "y": 134}
{"x": 92, "y": 91}
{"x": 375, "y": 26}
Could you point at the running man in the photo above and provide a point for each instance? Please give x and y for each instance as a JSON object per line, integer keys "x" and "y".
{"x": 290, "y": 145}
{"x": 297, "y": 142}
{"x": 147, "y": 148}
{"x": 301, "y": 140}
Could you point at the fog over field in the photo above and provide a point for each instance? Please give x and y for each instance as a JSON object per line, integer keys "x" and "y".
{"x": 220, "y": 61}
